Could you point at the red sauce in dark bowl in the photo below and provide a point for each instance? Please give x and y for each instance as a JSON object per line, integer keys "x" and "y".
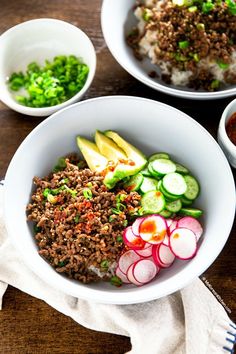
{"x": 231, "y": 128}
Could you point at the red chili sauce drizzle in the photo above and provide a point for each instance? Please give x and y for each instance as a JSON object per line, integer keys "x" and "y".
{"x": 231, "y": 128}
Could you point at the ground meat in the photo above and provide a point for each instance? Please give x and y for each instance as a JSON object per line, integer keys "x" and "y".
{"x": 78, "y": 227}
{"x": 173, "y": 34}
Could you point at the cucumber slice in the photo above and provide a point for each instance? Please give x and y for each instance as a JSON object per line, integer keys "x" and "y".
{"x": 167, "y": 195}
{"x": 159, "y": 184}
{"x": 195, "y": 213}
{"x": 158, "y": 155}
{"x": 192, "y": 187}
{"x": 148, "y": 184}
{"x": 174, "y": 206}
{"x": 186, "y": 201}
{"x": 134, "y": 183}
{"x": 153, "y": 173}
{"x": 174, "y": 183}
{"x": 153, "y": 202}
{"x": 165, "y": 213}
{"x": 181, "y": 169}
{"x": 145, "y": 172}
{"x": 163, "y": 166}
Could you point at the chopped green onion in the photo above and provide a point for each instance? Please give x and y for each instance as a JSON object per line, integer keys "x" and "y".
{"x": 46, "y": 192}
{"x": 215, "y": 84}
{"x": 223, "y": 65}
{"x": 180, "y": 57}
{"x": 76, "y": 218}
{"x": 61, "y": 165}
{"x": 231, "y": 4}
{"x": 37, "y": 229}
{"x": 196, "y": 57}
{"x": 178, "y": 2}
{"x": 200, "y": 26}
{"x": 183, "y": 44}
{"x": 119, "y": 239}
{"x": 65, "y": 180}
{"x": 116, "y": 211}
{"x": 116, "y": 281}
{"x": 207, "y": 7}
{"x": 188, "y": 3}
{"x": 51, "y": 199}
{"x": 61, "y": 264}
{"x": 71, "y": 191}
{"x": 87, "y": 193}
{"x": 192, "y": 8}
{"x": 89, "y": 184}
{"x": 104, "y": 264}
{"x": 147, "y": 14}
{"x": 121, "y": 197}
{"x": 111, "y": 218}
{"x": 125, "y": 223}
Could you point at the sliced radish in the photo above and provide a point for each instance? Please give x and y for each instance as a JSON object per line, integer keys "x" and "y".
{"x": 166, "y": 241}
{"x": 173, "y": 226}
{"x": 145, "y": 252}
{"x": 126, "y": 259}
{"x": 183, "y": 243}
{"x": 144, "y": 270}
{"x": 131, "y": 240}
{"x": 122, "y": 276}
{"x": 169, "y": 222}
{"x": 130, "y": 276}
{"x": 166, "y": 256}
{"x": 153, "y": 229}
{"x": 191, "y": 224}
{"x": 135, "y": 226}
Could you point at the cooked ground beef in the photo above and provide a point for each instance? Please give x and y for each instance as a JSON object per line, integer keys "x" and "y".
{"x": 78, "y": 223}
{"x": 188, "y": 39}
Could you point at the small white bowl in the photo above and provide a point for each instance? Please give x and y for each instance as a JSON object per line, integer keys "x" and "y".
{"x": 117, "y": 20}
{"x": 37, "y": 40}
{"x": 226, "y": 144}
{"x": 151, "y": 126}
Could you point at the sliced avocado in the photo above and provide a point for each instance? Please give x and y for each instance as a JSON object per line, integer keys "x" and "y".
{"x": 136, "y": 161}
{"x": 95, "y": 160}
{"x": 108, "y": 148}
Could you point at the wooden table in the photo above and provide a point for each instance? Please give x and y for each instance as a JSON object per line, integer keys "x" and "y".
{"x": 28, "y": 325}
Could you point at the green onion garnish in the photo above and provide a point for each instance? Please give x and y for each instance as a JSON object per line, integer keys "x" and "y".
{"x": 183, "y": 44}
{"x": 125, "y": 223}
{"x": 192, "y": 8}
{"x": 147, "y": 15}
{"x": 200, "y": 26}
{"x": 61, "y": 165}
{"x": 87, "y": 193}
{"x": 37, "y": 229}
{"x": 115, "y": 281}
{"x": 119, "y": 239}
{"x": 111, "y": 218}
{"x": 76, "y": 218}
{"x": 207, "y": 7}
{"x": 231, "y": 6}
{"x": 104, "y": 264}
{"x": 215, "y": 84}
{"x": 223, "y": 65}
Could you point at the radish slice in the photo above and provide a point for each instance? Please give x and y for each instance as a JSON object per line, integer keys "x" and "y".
{"x": 166, "y": 241}
{"x": 130, "y": 276}
{"x": 144, "y": 270}
{"x": 146, "y": 252}
{"x": 173, "y": 226}
{"x": 183, "y": 243}
{"x": 166, "y": 257}
{"x": 153, "y": 229}
{"x": 169, "y": 222}
{"x": 126, "y": 259}
{"x": 191, "y": 224}
{"x": 135, "y": 226}
{"x": 131, "y": 240}
{"x": 122, "y": 276}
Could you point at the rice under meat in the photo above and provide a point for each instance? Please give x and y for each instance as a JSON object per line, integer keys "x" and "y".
{"x": 193, "y": 42}
{"x": 78, "y": 225}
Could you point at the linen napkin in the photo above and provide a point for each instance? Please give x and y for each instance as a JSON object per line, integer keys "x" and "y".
{"x": 190, "y": 321}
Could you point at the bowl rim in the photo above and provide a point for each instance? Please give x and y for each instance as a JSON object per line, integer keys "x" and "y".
{"x": 148, "y": 81}
{"x": 98, "y": 295}
{"x": 222, "y": 128}
{"x": 41, "y": 111}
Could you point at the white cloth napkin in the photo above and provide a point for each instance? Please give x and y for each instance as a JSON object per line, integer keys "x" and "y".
{"x": 190, "y": 321}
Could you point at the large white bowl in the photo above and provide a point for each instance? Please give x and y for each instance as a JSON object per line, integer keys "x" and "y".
{"x": 38, "y": 40}
{"x": 152, "y": 126}
{"x": 117, "y": 21}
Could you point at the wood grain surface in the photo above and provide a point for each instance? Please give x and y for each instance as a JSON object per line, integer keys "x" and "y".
{"x": 28, "y": 325}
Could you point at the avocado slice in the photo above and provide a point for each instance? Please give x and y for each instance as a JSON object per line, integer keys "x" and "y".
{"x": 122, "y": 170}
{"x": 108, "y": 148}
{"x": 95, "y": 160}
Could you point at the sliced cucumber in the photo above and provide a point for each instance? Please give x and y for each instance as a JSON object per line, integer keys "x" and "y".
{"x": 163, "y": 166}
{"x": 174, "y": 183}
{"x": 186, "y": 201}
{"x": 148, "y": 184}
{"x": 158, "y": 155}
{"x": 145, "y": 172}
{"x": 174, "y": 206}
{"x": 159, "y": 184}
{"x": 165, "y": 213}
{"x": 195, "y": 213}
{"x": 181, "y": 169}
{"x": 153, "y": 173}
{"x": 192, "y": 187}
{"x": 153, "y": 202}
{"x": 167, "y": 195}
{"x": 134, "y": 183}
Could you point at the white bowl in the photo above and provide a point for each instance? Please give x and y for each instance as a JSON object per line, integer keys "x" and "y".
{"x": 227, "y": 146}
{"x": 117, "y": 21}
{"x": 37, "y": 40}
{"x": 151, "y": 126}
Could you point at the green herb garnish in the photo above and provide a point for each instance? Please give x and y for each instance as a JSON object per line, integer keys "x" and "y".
{"x": 125, "y": 223}
{"x": 61, "y": 165}
{"x": 215, "y": 84}
{"x": 223, "y": 65}
{"x": 119, "y": 239}
{"x": 183, "y": 44}
{"x": 116, "y": 281}
{"x": 87, "y": 193}
{"x": 207, "y": 7}
{"x": 37, "y": 229}
{"x": 104, "y": 264}
{"x": 231, "y": 4}
{"x": 51, "y": 84}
